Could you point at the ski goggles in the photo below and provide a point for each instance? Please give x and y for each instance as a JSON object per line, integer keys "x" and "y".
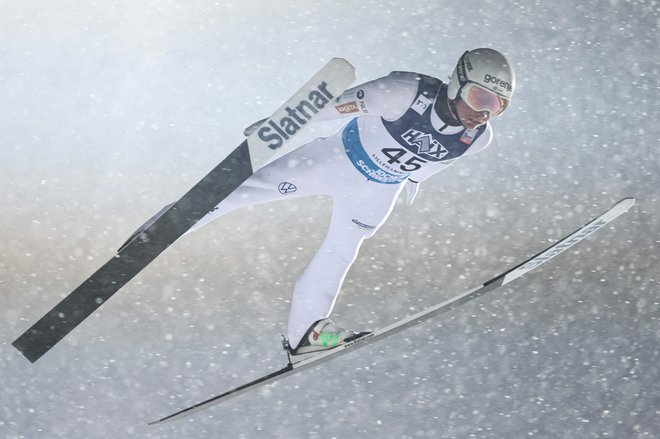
{"x": 480, "y": 99}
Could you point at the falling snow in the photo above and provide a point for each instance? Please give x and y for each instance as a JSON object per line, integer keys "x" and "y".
{"x": 111, "y": 110}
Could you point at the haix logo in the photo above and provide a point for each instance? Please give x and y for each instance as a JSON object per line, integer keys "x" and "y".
{"x": 277, "y": 132}
{"x": 489, "y": 79}
{"x": 425, "y": 143}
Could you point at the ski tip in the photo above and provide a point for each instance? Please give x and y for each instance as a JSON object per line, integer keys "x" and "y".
{"x": 627, "y": 203}
{"x": 342, "y": 64}
{"x": 169, "y": 418}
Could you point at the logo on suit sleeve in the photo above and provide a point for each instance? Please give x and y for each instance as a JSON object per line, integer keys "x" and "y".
{"x": 287, "y": 188}
{"x": 349, "y": 107}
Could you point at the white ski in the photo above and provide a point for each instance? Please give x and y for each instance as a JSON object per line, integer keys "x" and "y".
{"x": 413, "y": 320}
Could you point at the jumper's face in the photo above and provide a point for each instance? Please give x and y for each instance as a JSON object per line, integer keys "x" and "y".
{"x": 476, "y": 105}
{"x": 470, "y": 118}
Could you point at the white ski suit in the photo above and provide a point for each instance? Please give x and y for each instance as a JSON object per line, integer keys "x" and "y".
{"x": 395, "y": 135}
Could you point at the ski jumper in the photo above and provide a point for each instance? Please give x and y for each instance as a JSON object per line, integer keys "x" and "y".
{"x": 395, "y": 135}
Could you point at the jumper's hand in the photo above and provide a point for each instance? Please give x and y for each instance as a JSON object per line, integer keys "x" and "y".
{"x": 252, "y": 128}
{"x": 412, "y": 188}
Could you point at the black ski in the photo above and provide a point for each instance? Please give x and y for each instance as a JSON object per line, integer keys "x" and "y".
{"x": 173, "y": 221}
{"x": 413, "y": 320}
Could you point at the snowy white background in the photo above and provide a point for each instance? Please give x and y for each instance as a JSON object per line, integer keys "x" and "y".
{"x": 110, "y": 110}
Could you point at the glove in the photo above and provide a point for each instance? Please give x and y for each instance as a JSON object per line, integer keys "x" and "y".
{"x": 252, "y": 128}
{"x": 412, "y": 188}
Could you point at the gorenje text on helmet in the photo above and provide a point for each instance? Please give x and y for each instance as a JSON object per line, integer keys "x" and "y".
{"x": 495, "y": 80}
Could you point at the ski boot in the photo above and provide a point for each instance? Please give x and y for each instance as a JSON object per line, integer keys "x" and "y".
{"x": 323, "y": 335}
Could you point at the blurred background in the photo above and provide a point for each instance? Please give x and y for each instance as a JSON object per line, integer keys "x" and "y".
{"x": 110, "y": 110}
